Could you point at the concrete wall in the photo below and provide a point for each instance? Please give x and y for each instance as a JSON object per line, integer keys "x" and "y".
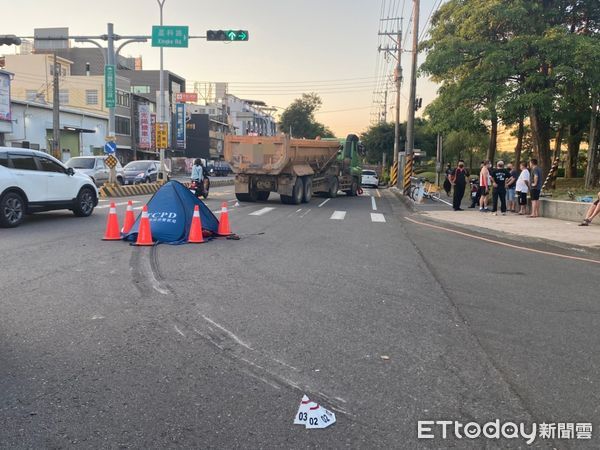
{"x": 564, "y": 210}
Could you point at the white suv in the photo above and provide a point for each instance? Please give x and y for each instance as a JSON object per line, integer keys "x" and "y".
{"x": 33, "y": 181}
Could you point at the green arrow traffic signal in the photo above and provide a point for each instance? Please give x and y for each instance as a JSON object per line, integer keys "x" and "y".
{"x": 227, "y": 35}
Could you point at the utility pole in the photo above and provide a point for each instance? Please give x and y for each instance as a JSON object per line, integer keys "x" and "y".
{"x": 410, "y": 124}
{"x": 385, "y": 94}
{"x": 55, "y": 112}
{"x": 110, "y": 59}
{"x": 396, "y": 52}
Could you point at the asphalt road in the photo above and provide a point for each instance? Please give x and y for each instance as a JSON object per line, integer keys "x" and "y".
{"x": 381, "y": 320}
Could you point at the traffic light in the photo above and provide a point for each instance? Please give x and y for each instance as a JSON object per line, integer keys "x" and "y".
{"x": 9, "y": 39}
{"x": 418, "y": 103}
{"x": 227, "y": 35}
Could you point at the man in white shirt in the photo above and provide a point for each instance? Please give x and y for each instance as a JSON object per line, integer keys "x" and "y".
{"x": 522, "y": 188}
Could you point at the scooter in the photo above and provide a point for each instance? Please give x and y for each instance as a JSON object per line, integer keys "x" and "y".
{"x": 201, "y": 190}
{"x": 475, "y": 195}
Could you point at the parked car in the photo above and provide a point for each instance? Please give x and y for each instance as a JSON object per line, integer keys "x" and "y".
{"x": 142, "y": 171}
{"x": 220, "y": 168}
{"x": 33, "y": 181}
{"x": 95, "y": 168}
{"x": 369, "y": 178}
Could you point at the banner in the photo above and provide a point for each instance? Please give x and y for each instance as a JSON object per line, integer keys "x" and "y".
{"x": 5, "y": 96}
{"x": 180, "y": 124}
{"x": 153, "y": 131}
{"x": 145, "y": 126}
{"x": 182, "y": 97}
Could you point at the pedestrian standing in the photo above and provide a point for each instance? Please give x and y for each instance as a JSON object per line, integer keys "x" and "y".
{"x": 447, "y": 182}
{"x": 523, "y": 188}
{"x": 511, "y": 185}
{"x": 458, "y": 178}
{"x": 484, "y": 186}
{"x": 500, "y": 178}
{"x": 536, "y": 188}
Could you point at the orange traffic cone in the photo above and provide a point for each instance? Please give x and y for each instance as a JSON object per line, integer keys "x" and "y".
{"x": 195, "y": 236}
{"x": 144, "y": 236}
{"x": 129, "y": 218}
{"x": 224, "y": 229}
{"x": 112, "y": 225}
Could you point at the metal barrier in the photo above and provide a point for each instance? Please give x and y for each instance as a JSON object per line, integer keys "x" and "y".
{"x": 117, "y": 190}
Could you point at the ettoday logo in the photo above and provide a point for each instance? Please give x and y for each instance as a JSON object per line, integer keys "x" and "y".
{"x": 430, "y": 429}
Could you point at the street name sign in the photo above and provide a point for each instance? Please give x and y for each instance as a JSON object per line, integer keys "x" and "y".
{"x": 170, "y": 36}
{"x": 110, "y": 86}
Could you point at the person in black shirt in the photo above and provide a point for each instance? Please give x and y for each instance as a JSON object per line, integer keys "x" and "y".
{"x": 500, "y": 177}
{"x": 458, "y": 178}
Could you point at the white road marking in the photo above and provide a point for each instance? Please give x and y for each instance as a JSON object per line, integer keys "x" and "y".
{"x": 298, "y": 210}
{"x": 322, "y": 203}
{"x": 305, "y": 213}
{"x": 138, "y": 208}
{"x": 373, "y": 204}
{"x": 338, "y": 215}
{"x": 377, "y": 217}
{"x": 378, "y": 193}
{"x": 262, "y": 211}
{"x": 179, "y": 331}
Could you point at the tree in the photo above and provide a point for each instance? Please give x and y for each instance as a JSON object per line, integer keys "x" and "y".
{"x": 379, "y": 140}
{"x": 299, "y": 117}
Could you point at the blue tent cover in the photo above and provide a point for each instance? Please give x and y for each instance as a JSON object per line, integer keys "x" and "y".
{"x": 170, "y": 212}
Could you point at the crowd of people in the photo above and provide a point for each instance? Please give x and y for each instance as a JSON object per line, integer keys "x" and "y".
{"x": 508, "y": 187}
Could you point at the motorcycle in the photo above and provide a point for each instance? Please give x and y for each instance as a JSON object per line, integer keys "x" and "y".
{"x": 201, "y": 189}
{"x": 475, "y": 194}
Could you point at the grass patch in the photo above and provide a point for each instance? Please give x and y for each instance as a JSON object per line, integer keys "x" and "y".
{"x": 571, "y": 189}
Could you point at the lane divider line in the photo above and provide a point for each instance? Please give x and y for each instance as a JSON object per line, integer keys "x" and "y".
{"x": 262, "y": 211}
{"x": 305, "y": 213}
{"x": 338, "y": 215}
{"x": 377, "y": 217}
{"x": 378, "y": 193}
{"x": 504, "y": 244}
{"x": 322, "y": 203}
{"x": 373, "y": 204}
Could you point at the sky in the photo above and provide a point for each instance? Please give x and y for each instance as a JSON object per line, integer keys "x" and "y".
{"x": 323, "y": 46}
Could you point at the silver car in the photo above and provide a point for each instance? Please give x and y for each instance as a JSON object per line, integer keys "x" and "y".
{"x": 95, "y": 168}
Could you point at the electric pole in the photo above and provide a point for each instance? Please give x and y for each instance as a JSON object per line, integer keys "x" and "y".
{"x": 396, "y": 52}
{"x": 410, "y": 124}
{"x": 55, "y": 112}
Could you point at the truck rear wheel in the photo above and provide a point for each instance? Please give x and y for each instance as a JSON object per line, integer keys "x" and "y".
{"x": 243, "y": 197}
{"x": 262, "y": 196}
{"x": 333, "y": 188}
{"x": 297, "y": 194}
{"x": 307, "y": 191}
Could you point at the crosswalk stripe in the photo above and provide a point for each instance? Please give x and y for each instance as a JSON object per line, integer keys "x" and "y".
{"x": 262, "y": 211}
{"x": 322, "y": 203}
{"x": 338, "y": 215}
{"x": 377, "y": 217}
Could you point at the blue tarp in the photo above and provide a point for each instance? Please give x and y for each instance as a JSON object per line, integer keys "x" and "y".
{"x": 170, "y": 212}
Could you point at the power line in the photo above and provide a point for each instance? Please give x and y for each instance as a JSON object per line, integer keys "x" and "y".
{"x": 434, "y": 7}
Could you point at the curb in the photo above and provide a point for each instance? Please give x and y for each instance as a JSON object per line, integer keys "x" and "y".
{"x": 117, "y": 190}
{"x": 512, "y": 237}
{"x": 404, "y": 199}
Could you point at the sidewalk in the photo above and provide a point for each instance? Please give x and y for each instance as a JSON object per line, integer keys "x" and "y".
{"x": 559, "y": 231}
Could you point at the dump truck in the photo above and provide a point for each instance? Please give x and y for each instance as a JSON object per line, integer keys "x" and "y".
{"x": 294, "y": 168}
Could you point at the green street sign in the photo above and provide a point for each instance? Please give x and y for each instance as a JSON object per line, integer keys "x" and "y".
{"x": 110, "y": 86}
{"x": 170, "y": 36}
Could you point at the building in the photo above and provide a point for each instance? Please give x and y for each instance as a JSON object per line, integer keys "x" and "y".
{"x": 249, "y": 117}
{"x": 81, "y": 132}
{"x": 33, "y": 82}
{"x": 217, "y": 127}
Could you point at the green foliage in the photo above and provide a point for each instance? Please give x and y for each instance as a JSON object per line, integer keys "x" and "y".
{"x": 379, "y": 139}
{"x": 515, "y": 58}
{"x": 300, "y": 118}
